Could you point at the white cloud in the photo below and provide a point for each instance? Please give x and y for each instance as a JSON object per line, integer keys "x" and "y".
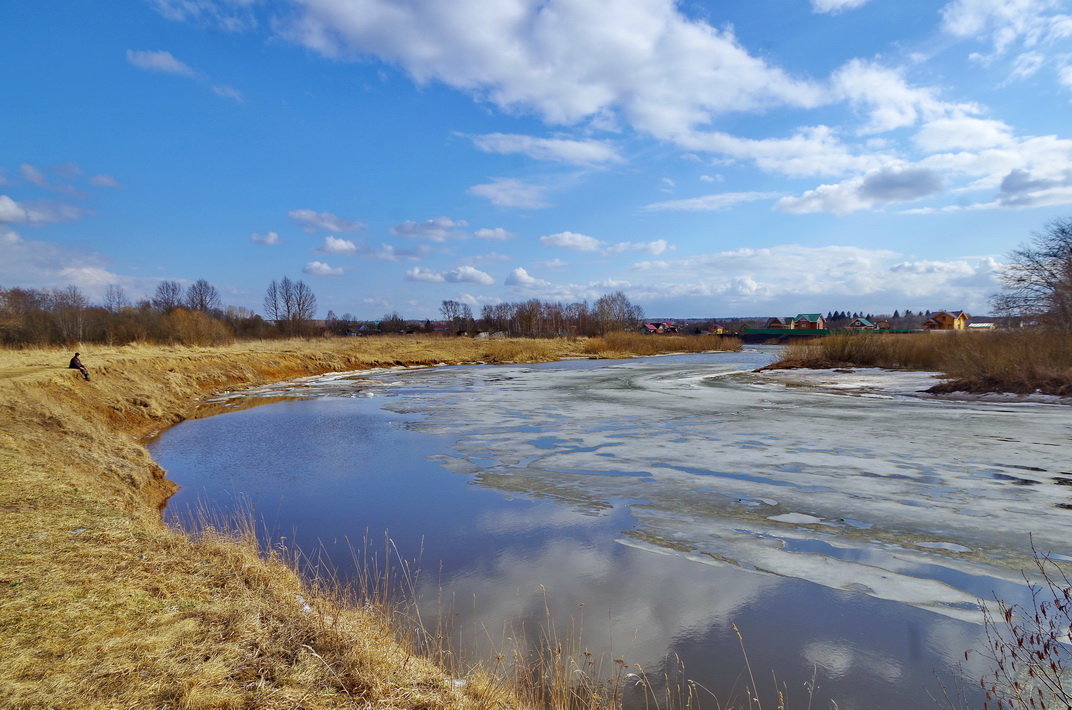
{"x": 835, "y": 6}
{"x": 792, "y": 277}
{"x": 562, "y": 150}
{"x": 228, "y": 92}
{"x": 711, "y": 178}
{"x": 710, "y": 203}
{"x": 33, "y": 175}
{"x": 319, "y": 268}
{"x": 266, "y": 238}
{"x": 159, "y": 61}
{"x": 39, "y": 212}
{"x": 583, "y": 242}
{"x": 510, "y": 192}
{"x": 552, "y": 264}
{"x": 230, "y": 15}
{"x": 571, "y": 240}
{"x": 9, "y": 236}
{"x": 334, "y": 245}
{"x": 104, "y": 181}
{"x": 892, "y": 184}
{"x": 468, "y": 274}
{"x": 521, "y": 277}
{"x": 1065, "y": 76}
{"x": 438, "y": 229}
{"x": 420, "y": 273}
{"x": 1006, "y": 23}
{"x": 462, "y": 274}
{"x": 490, "y": 258}
{"x": 965, "y": 132}
{"x": 498, "y": 233}
{"x": 325, "y": 220}
{"x": 389, "y": 252}
{"x": 890, "y": 102}
{"x": 566, "y": 60}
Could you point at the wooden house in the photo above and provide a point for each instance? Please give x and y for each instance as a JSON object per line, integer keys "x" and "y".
{"x": 883, "y": 325}
{"x": 944, "y": 320}
{"x": 862, "y": 324}
{"x": 778, "y": 323}
{"x": 814, "y": 321}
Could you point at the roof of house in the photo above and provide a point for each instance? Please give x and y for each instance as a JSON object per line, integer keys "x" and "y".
{"x": 863, "y": 321}
{"x": 808, "y": 316}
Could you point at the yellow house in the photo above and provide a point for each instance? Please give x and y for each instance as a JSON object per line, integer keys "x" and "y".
{"x": 957, "y": 320}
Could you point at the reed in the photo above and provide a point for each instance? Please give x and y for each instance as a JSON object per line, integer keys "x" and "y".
{"x": 1021, "y": 362}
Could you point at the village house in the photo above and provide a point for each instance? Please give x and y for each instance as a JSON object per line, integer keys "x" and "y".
{"x": 863, "y": 324}
{"x": 813, "y": 321}
{"x": 654, "y": 328}
{"x": 944, "y": 320}
{"x": 779, "y": 323}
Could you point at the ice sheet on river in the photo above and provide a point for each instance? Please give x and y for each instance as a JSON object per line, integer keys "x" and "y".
{"x": 857, "y": 483}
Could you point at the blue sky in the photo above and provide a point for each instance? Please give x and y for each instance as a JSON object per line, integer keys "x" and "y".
{"x": 706, "y": 158}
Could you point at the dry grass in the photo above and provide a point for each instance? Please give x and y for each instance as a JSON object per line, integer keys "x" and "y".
{"x": 629, "y": 344}
{"x": 101, "y": 606}
{"x": 1022, "y": 362}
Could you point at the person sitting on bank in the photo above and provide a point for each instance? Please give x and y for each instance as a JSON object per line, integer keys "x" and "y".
{"x": 76, "y": 364}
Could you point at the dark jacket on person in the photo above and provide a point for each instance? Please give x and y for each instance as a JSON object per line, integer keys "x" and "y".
{"x": 76, "y": 364}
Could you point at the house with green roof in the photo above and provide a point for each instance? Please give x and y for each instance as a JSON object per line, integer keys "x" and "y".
{"x": 813, "y": 321}
{"x": 862, "y": 324}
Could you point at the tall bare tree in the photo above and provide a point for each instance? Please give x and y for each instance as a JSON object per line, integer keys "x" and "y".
{"x": 115, "y": 298}
{"x": 1038, "y": 278}
{"x": 168, "y": 296}
{"x": 202, "y": 296}
{"x": 290, "y": 304}
{"x": 614, "y": 311}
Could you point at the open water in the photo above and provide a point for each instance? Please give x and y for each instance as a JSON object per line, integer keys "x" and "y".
{"x": 848, "y": 526}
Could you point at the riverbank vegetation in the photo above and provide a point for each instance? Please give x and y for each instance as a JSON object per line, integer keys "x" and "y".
{"x": 1021, "y": 361}
{"x": 103, "y": 606}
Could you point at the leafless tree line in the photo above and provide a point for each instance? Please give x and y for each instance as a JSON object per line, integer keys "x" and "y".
{"x": 541, "y": 319}
{"x": 194, "y": 315}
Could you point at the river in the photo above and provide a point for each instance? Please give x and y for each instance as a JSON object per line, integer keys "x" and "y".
{"x": 848, "y": 526}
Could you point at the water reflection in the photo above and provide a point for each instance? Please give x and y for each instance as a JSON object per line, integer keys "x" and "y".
{"x": 655, "y": 503}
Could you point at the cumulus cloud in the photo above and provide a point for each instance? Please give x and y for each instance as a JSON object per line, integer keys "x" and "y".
{"x": 562, "y": 150}
{"x": 39, "y": 212}
{"x": 498, "y": 233}
{"x": 312, "y": 220}
{"x": 566, "y": 60}
{"x": 521, "y": 277}
{"x": 583, "y": 242}
{"x": 510, "y": 192}
{"x": 782, "y": 277}
{"x": 266, "y": 238}
{"x": 462, "y": 274}
{"x": 334, "y": 245}
{"x": 710, "y": 203}
{"x": 319, "y": 268}
{"x": 159, "y": 61}
{"x": 886, "y": 97}
{"x": 893, "y": 184}
{"x": 963, "y": 132}
{"x": 571, "y": 240}
{"x": 438, "y": 229}
{"x": 835, "y": 6}
{"x": 9, "y": 236}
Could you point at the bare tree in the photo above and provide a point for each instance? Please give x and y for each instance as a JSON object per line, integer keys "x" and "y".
{"x": 69, "y": 308}
{"x": 115, "y": 298}
{"x": 168, "y": 296}
{"x": 614, "y": 311}
{"x": 202, "y": 296}
{"x": 290, "y": 304}
{"x": 1038, "y": 279}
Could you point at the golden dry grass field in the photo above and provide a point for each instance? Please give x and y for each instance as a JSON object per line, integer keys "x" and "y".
{"x": 102, "y": 606}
